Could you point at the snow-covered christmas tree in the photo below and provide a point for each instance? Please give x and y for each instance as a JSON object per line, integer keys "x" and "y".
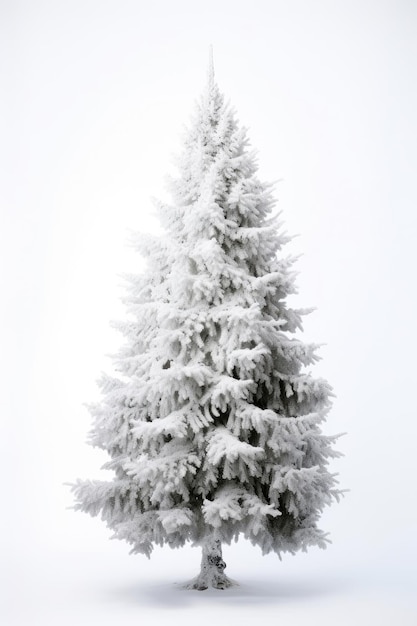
{"x": 212, "y": 420}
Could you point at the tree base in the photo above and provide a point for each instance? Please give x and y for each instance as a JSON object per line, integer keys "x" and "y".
{"x": 201, "y": 583}
{"x": 212, "y": 569}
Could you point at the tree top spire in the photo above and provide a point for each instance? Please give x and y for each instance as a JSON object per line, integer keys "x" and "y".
{"x": 211, "y": 68}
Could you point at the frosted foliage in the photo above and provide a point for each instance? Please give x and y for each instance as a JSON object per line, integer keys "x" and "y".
{"x": 212, "y": 419}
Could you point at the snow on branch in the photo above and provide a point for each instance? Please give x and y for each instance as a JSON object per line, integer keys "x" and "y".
{"x": 223, "y": 445}
{"x": 231, "y": 503}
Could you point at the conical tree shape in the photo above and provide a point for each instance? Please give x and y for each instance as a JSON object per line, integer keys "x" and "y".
{"x": 212, "y": 422}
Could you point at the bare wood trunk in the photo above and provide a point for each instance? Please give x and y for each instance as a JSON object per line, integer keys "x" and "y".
{"x": 212, "y": 569}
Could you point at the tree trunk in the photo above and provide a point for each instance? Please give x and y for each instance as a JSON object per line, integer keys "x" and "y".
{"x": 212, "y": 569}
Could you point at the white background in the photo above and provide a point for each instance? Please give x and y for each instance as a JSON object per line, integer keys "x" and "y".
{"x": 94, "y": 99}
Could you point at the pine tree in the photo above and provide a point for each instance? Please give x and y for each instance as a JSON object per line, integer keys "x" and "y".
{"x": 212, "y": 421}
